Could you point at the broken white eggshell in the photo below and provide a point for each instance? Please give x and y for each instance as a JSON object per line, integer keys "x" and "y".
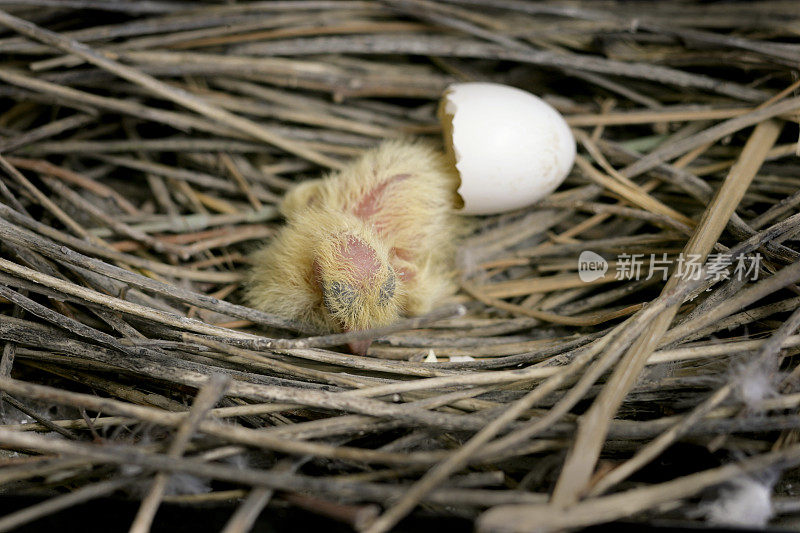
{"x": 510, "y": 148}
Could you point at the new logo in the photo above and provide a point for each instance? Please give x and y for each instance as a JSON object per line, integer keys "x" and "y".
{"x": 591, "y": 266}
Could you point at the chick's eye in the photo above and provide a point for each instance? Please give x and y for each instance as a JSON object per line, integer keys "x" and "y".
{"x": 387, "y": 290}
{"x": 338, "y": 295}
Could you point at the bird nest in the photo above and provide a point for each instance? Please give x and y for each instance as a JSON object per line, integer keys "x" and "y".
{"x": 625, "y": 349}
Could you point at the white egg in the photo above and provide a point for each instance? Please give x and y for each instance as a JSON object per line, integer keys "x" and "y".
{"x": 511, "y": 148}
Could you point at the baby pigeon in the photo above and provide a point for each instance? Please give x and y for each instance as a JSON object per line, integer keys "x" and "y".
{"x": 365, "y": 245}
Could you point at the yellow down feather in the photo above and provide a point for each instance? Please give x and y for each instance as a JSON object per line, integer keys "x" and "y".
{"x": 363, "y": 245}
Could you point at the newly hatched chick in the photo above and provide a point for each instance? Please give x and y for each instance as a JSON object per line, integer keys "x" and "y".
{"x": 364, "y": 245}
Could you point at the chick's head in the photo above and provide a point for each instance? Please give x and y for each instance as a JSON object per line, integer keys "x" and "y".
{"x": 359, "y": 287}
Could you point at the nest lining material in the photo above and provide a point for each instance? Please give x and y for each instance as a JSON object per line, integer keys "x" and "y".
{"x": 144, "y": 148}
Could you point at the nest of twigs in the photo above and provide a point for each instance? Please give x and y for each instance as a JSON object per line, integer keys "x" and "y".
{"x": 144, "y": 147}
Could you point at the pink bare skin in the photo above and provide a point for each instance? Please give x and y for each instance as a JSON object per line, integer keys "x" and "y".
{"x": 359, "y": 347}
{"x": 357, "y": 267}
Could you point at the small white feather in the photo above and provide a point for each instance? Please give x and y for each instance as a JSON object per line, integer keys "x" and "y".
{"x": 743, "y": 502}
{"x": 756, "y": 383}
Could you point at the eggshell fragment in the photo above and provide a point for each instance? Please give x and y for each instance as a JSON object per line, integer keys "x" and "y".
{"x": 510, "y": 148}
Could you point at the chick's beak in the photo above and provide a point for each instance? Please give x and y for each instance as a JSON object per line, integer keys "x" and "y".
{"x": 359, "y": 347}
